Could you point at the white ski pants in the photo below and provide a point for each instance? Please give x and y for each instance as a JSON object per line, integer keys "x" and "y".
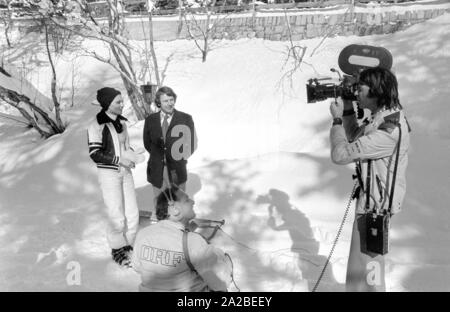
{"x": 120, "y": 199}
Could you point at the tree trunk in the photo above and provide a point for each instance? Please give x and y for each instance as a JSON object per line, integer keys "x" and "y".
{"x": 17, "y": 98}
{"x": 147, "y": 57}
{"x": 13, "y": 98}
{"x": 136, "y": 99}
{"x": 206, "y": 33}
{"x": 53, "y": 84}
{"x": 205, "y": 50}
{"x": 7, "y": 21}
{"x": 33, "y": 122}
{"x": 180, "y": 19}
{"x": 152, "y": 49}
{"x": 7, "y": 24}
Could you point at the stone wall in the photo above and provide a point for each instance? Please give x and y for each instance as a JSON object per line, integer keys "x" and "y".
{"x": 276, "y": 26}
{"x": 302, "y": 25}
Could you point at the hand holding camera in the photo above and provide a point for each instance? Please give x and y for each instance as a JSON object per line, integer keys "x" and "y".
{"x": 337, "y": 108}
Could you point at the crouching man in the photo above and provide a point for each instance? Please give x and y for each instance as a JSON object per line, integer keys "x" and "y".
{"x": 169, "y": 258}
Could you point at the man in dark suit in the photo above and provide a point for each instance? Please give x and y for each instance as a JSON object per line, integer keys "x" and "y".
{"x": 170, "y": 139}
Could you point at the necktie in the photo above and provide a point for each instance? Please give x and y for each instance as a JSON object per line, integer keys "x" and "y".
{"x": 165, "y": 126}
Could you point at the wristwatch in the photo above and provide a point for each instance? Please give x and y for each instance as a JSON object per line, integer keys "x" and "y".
{"x": 337, "y": 121}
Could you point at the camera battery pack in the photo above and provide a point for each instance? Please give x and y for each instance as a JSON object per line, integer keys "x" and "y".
{"x": 377, "y": 233}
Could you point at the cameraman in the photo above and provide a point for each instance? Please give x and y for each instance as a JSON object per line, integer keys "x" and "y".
{"x": 168, "y": 263}
{"x": 373, "y": 147}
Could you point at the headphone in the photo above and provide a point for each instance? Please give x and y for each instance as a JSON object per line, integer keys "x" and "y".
{"x": 157, "y": 102}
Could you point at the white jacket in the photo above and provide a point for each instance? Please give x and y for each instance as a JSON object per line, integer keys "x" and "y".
{"x": 158, "y": 257}
{"x": 376, "y": 141}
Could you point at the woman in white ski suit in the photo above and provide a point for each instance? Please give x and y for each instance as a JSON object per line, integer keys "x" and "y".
{"x": 109, "y": 148}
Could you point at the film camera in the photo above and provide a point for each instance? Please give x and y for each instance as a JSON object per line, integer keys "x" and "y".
{"x": 352, "y": 60}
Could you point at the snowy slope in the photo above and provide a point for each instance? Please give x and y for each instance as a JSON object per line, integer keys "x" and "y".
{"x": 254, "y": 136}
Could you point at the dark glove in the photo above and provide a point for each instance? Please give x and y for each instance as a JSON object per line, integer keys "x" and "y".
{"x": 122, "y": 255}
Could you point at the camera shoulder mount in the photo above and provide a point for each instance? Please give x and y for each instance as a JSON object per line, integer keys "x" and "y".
{"x": 355, "y": 58}
{"x": 352, "y": 60}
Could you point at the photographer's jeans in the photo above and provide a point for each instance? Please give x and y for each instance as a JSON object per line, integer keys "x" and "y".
{"x": 120, "y": 199}
{"x": 365, "y": 270}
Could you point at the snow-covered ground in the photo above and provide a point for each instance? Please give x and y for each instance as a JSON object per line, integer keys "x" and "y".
{"x": 256, "y": 135}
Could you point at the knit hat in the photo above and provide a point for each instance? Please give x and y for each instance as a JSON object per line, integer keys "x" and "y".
{"x": 106, "y": 95}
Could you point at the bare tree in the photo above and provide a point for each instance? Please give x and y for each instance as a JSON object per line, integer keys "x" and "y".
{"x": 53, "y": 81}
{"x": 121, "y": 57}
{"x": 294, "y": 57}
{"x": 145, "y": 58}
{"x": 38, "y": 118}
{"x": 150, "y": 7}
{"x": 203, "y": 30}
{"x": 42, "y": 15}
{"x": 180, "y": 17}
{"x": 74, "y": 81}
{"x": 332, "y": 29}
{"x": 6, "y": 17}
{"x": 295, "y": 54}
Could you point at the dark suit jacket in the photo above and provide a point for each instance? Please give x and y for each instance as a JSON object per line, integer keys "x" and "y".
{"x": 180, "y": 143}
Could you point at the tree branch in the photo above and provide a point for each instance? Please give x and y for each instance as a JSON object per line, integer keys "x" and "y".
{"x": 330, "y": 32}
{"x": 53, "y": 82}
{"x": 11, "y": 98}
{"x": 188, "y": 27}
